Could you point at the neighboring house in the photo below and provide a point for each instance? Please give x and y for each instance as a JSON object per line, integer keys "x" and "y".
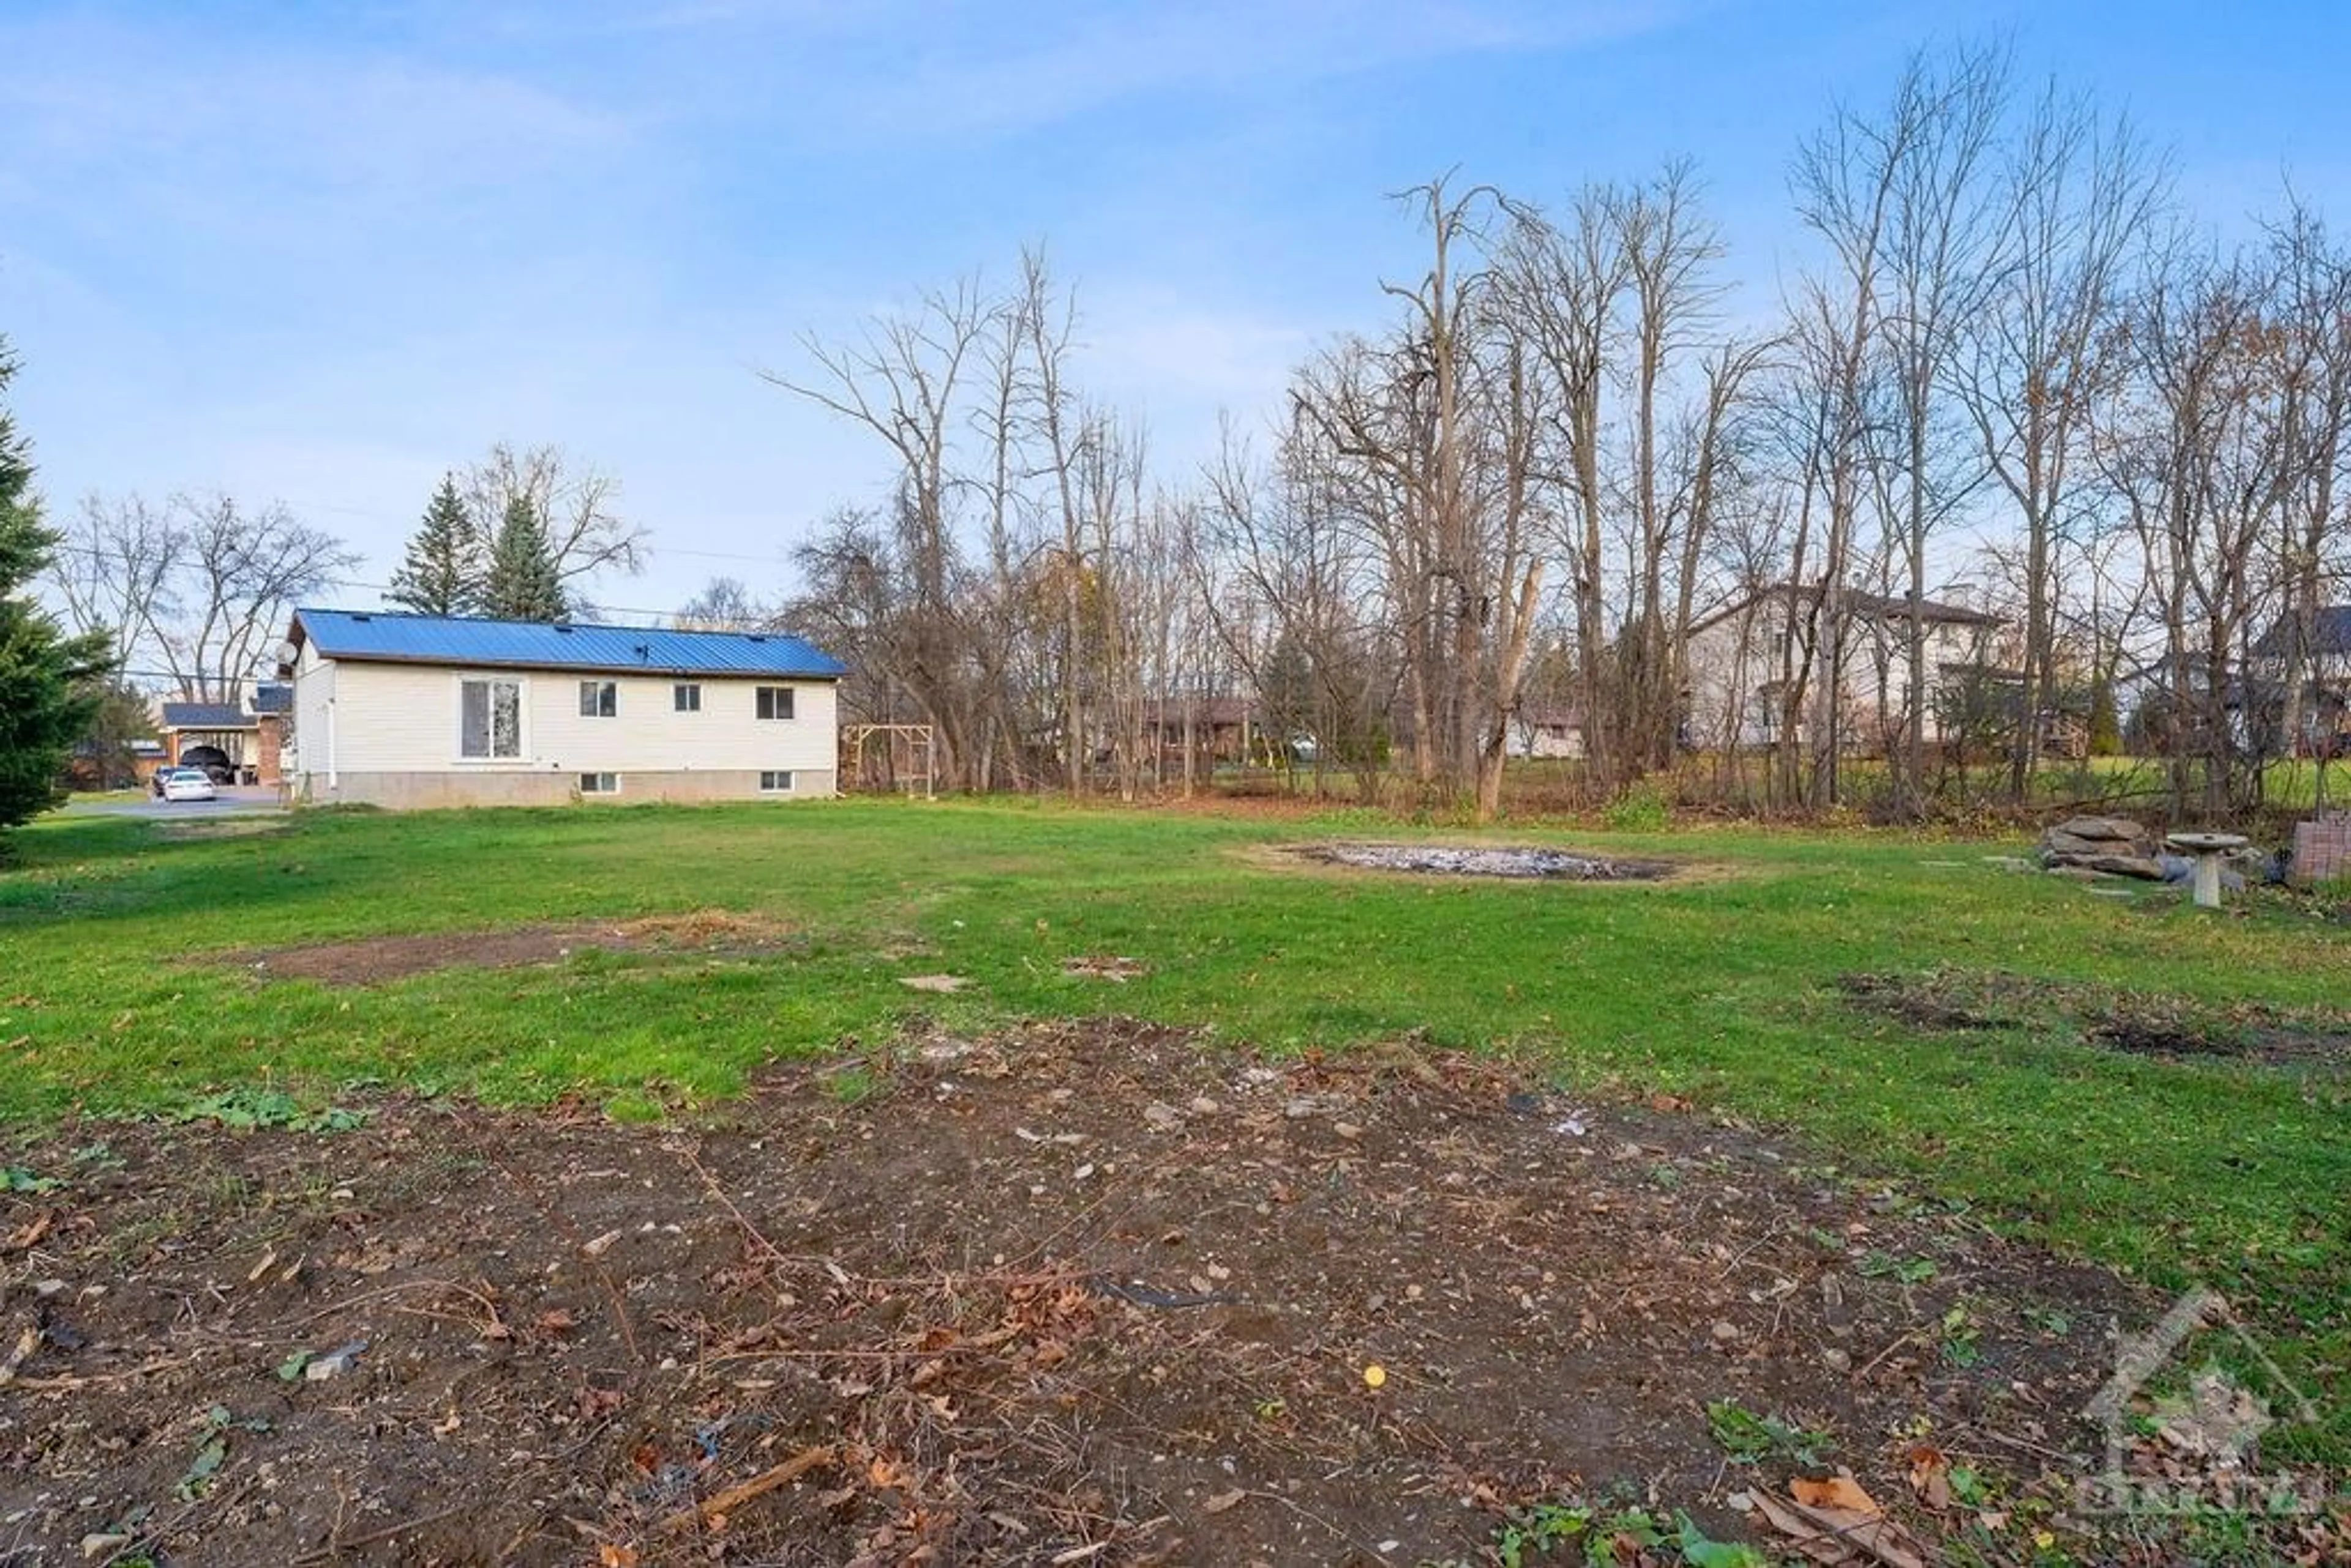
{"x": 240, "y": 740}
{"x": 406, "y": 711}
{"x": 2324, "y": 711}
{"x": 94, "y": 767}
{"x": 1541, "y": 731}
{"x": 1220, "y": 730}
{"x": 1735, "y": 692}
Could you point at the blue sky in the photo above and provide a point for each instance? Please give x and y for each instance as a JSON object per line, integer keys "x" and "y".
{"x": 323, "y": 251}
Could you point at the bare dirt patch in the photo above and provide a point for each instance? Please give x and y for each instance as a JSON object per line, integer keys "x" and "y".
{"x": 1105, "y": 966}
{"x": 249, "y": 826}
{"x": 1517, "y": 862}
{"x": 1961, "y": 1000}
{"x": 1098, "y": 1292}
{"x": 373, "y": 960}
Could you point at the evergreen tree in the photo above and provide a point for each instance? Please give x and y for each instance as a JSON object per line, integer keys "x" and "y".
{"x": 522, "y": 584}
{"x": 48, "y": 681}
{"x": 2106, "y": 724}
{"x": 120, "y": 716}
{"x": 443, "y": 573}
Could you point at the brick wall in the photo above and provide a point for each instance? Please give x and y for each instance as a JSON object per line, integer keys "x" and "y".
{"x": 269, "y": 741}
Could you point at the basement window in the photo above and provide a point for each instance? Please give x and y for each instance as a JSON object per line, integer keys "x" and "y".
{"x": 775, "y": 702}
{"x": 600, "y": 699}
{"x": 776, "y": 781}
{"x": 600, "y": 783}
{"x": 686, "y": 696}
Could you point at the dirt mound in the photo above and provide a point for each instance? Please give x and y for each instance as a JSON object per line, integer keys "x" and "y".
{"x": 1096, "y": 1293}
{"x": 375, "y": 959}
{"x": 1484, "y": 860}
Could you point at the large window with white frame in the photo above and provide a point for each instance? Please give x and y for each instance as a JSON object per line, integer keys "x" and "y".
{"x": 775, "y": 702}
{"x": 600, "y": 699}
{"x": 489, "y": 719}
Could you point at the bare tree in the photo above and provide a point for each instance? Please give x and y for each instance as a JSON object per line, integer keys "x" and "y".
{"x": 117, "y": 570}
{"x": 1439, "y": 426}
{"x": 2076, "y": 194}
{"x": 203, "y": 587}
{"x": 1562, "y": 282}
{"x": 574, "y": 502}
{"x": 725, "y": 605}
{"x": 2314, "y": 282}
{"x": 2190, "y": 447}
{"x": 1846, "y": 181}
{"x": 1939, "y": 139}
{"x": 1060, "y": 428}
{"x": 901, "y": 381}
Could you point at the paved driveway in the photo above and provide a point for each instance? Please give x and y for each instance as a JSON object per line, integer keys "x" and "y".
{"x": 236, "y": 800}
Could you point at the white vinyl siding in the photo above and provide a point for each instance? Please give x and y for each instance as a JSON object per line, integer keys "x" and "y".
{"x": 314, "y": 700}
{"x": 403, "y": 718}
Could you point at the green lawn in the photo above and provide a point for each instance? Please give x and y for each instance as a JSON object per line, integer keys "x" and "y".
{"x": 1720, "y": 987}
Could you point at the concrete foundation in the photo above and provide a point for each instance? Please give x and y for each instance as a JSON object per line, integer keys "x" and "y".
{"x": 494, "y": 787}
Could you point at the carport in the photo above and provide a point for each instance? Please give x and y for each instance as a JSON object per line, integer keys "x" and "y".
{"x": 235, "y": 745}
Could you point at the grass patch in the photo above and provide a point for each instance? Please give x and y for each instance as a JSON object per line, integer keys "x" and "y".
{"x": 1725, "y": 989}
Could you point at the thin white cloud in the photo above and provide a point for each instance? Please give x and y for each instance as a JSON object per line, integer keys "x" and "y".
{"x": 950, "y": 72}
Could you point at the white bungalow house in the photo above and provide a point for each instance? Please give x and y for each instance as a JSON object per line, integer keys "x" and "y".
{"x": 404, "y": 711}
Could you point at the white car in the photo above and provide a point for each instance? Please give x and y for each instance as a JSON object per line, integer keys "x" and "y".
{"x": 189, "y": 784}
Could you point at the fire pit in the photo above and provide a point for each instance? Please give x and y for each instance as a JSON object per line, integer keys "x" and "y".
{"x": 1482, "y": 860}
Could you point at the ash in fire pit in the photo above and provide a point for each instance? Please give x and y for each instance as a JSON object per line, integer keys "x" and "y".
{"x": 1454, "y": 860}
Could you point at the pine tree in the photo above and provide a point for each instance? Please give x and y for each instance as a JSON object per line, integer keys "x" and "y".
{"x": 48, "y": 681}
{"x": 522, "y": 584}
{"x": 444, "y": 572}
{"x": 2105, "y": 723}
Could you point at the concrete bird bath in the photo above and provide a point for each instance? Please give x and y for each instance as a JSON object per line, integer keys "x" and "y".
{"x": 2207, "y": 849}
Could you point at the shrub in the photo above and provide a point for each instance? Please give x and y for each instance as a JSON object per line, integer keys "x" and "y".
{"x": 1645, "y": 806}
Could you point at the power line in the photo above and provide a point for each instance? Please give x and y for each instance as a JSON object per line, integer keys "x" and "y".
{"x": 751, "y": 621}
{"x": 381, "y": 516}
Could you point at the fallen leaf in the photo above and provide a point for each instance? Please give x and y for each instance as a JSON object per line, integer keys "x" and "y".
{"x": 32, "y": 1233}
{"x": 609, "y": 1555}
{"x": 1841, "y": 1535}
{"x": 1837, "y": 1491}
{"x": 1224, "y": 1499}
{"x": 1930, "y": 1477}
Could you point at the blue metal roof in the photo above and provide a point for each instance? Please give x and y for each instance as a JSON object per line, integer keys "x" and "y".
{"x": 395, "y": 637}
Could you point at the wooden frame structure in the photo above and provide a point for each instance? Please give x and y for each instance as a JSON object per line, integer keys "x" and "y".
{"x": 914, "y": 739}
